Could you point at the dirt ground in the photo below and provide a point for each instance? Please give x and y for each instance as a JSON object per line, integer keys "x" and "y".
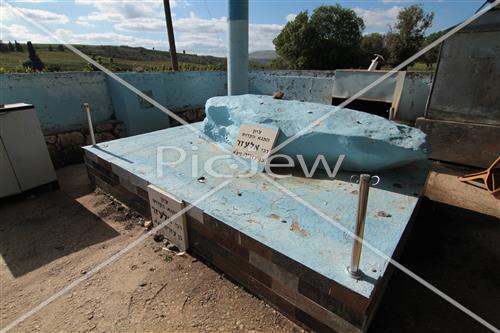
{"x": 51, "y": 239}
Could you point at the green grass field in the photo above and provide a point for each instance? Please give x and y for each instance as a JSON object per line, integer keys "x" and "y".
{"x": 117, "y": 58}
{"x": 124, "y": 58}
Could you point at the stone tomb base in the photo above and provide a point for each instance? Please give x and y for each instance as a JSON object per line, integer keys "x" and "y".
{"x": 275, "y": 247}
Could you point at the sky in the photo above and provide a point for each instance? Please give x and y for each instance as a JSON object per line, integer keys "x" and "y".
{"x": 200, "y": 25}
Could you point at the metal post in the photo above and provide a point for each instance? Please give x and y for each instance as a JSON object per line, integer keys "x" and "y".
{"x": 170, "y": 31}
{"x": 237, "y": 60}
{"x": 364, "y": 188}
{"x": 86, "y": 108}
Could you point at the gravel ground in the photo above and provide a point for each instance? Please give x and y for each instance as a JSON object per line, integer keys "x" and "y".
{"x": 54, "y": 238}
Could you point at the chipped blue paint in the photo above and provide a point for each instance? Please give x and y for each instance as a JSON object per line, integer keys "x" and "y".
{"x": 58, "y": 97}
{"x": 174, "y": 90}
{"x": 370, "y": 143}
{"x": 260, "y": 208}
{"x": 308, "y": 86}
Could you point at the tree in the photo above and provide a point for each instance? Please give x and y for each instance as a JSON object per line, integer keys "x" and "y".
{"x": 91, "y": 68}
{"x": 295, "y": 44}
{"x": 371, "y": 44}
{"x": 330, "y": 38}
{"x": 60, "y": 48}
{"x": 407, "y": 35}
{"x": 431, "y": 56}
{"x": 50, "y": 48}
{"x": 18, "y": 46}
{"x": 3, "y": 47}
{"x": 340, "y": 31}
{"x": 36, "y": 63}
{"x": 11, "y": 47}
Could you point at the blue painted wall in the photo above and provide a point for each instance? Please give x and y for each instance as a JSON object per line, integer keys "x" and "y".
{"x": 58, "y": 96}
{"x": 305, "y": 86}
{"x": 416, "y": 90}
{"x": 175, "y": 90}
{"x": 138, "y": 115}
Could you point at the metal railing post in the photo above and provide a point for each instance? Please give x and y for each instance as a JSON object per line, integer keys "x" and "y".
{"x": 86, "y": 108}
{"x": 364, "y": 188}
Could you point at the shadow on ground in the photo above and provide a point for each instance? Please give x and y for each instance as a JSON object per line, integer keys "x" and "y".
{"x": 35, "y": 232}
{"x": 457, "y": 251}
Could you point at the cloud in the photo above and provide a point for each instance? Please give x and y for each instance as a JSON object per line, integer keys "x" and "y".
{"x": 195, "y": 24}
{"x": 38, "y": 15}
{"x": 291, "y": 17}
{"x": 120, "y": 11}
{"x": 22, "y": 33}
{"x": 84, "y": 23}
{"x": 201, "y": 35}
{"x": 378, "y": 19}
{"x": 109, "y": 38}
{"x": 262, "y": 35}
{"x": 126, "y": 23}
{"x": 154, "y": 25}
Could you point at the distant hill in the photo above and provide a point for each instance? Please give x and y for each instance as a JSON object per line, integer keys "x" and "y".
{"x": 121, "y": 59}
{"x": 265, "y": 56}
{"x": 117, "y": 58}
{"x": 143, "y": 54}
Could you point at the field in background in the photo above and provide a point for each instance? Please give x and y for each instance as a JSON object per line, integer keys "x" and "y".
{"x": 117, "y": 58}
{"x": 126, "y": 58}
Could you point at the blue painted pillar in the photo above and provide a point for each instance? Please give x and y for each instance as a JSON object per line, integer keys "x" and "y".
{"x": 237, "y": 60}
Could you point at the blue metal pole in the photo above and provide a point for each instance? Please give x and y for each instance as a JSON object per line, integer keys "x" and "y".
{"x": 237, "y": 60}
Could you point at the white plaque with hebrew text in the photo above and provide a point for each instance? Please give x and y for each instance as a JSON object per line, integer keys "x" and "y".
{"x": 164, "y": 205}
{"x": 255, "y": 142}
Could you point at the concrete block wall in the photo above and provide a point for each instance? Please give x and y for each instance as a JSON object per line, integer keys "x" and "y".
{"x": 308, "y": 86}
{"x": 57, "y": 97}
{"x": 65, "y": 146}
{"x": 177, "y": 91}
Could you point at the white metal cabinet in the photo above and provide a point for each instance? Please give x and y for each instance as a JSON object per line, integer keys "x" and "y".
{"x": 24, "y": 150}
{"x": 8, "y": 181}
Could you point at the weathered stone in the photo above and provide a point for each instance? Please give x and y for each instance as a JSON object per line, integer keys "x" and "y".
{"x": 51, "y": 139}
{"x": 370, "y": 143}
{"x": 100, "y": 137}
{"x": 71, "y": 139}
{"x": 104, "y": 127}
{"x": 158, "y": 237}
{"x": 172, "y": 247}
{"x": 52, "y": 148}
{"x": 119, "y": 130}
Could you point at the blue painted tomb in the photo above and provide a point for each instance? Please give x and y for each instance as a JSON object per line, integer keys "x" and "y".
{"x": 370, "y": 143}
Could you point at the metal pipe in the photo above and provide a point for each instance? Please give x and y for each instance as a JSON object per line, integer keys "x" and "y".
{"x": 237, "y": 60}
{"x": 364, "y": 188}
{"x": 86, "y": 108}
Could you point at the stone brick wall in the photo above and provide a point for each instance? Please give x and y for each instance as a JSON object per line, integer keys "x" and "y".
{"x": 191, "y": 116}
{"x": 65, "y": 146}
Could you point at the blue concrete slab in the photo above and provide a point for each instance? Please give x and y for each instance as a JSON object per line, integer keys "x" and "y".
{"x": 257, "y": 208}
